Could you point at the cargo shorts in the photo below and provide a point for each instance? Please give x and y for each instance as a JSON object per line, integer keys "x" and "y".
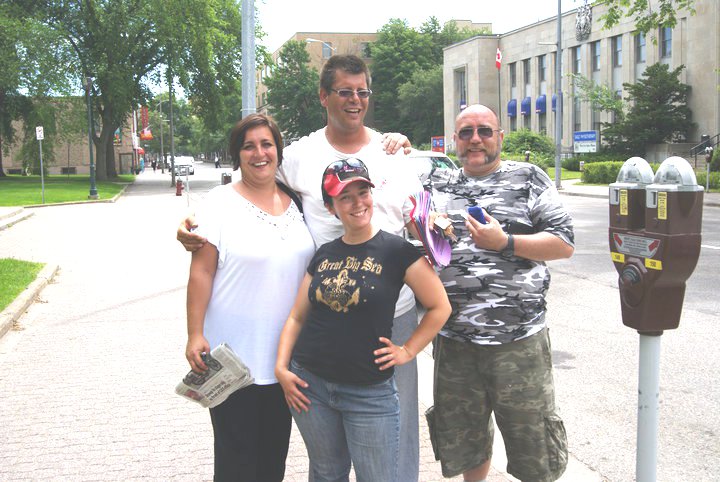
{"x": 515, "y": 382}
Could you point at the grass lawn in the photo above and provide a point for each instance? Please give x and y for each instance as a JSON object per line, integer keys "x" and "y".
{"x": 564, "y": 174}
{"x": 15, "y": 276}
{"x": 18, "y": 190}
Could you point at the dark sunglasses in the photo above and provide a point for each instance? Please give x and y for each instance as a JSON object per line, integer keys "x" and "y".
{"x": 466, "y": 133}
{"x": 348, "y": 168}
{"x": 347, "y": 93}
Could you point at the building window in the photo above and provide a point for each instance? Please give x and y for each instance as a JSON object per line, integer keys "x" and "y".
{"x": 596, "y": 124}
{"x": 576, "y": 114}
{"x": 526, "y": 76}
{"x": 460, "y": 90}
{"x": 513, "y": 124}
{"x": 616, "y": 43}
{"x": 542, "y": 73}
{"x": 513, "y": 81}
{"x": 595, "y": 52}
{"x": 576, "y": 60}
{"x": 327, "y": 50}
{"x": 542, "y": 123}
{"x": 640, "y": 55}
{"x": 665, "y": 42}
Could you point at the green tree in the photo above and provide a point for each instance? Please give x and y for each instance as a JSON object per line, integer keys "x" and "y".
{"x": 399, "y": 52}
{"x": 646, "y": 18}
{"x": 421, "y": 105}
{"x": 522, "y": 140}
{"x": 293, "y": 92}
{"x": 28, "y": 68}
{"x": 125, "y": 44}
{"x": 601, "y": 97}
{"x": 657, "y": 113}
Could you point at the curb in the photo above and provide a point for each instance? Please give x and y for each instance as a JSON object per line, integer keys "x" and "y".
{"x": 19, "y": 306}
{"x": 86, "y": 201}
{"x": 13, "y": 218}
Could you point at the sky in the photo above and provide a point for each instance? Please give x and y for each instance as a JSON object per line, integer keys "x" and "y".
{"x": 280, "y": 19}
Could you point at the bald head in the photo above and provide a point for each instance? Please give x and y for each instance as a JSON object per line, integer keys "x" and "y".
{"x": 476, "y": 109}
{"x": 478, "y": 140}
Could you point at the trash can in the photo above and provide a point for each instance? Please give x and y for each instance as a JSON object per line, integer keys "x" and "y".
{"x": 226, "y": 178}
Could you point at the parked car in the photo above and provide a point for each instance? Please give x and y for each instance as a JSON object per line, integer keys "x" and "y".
{"x": 184, "y": 163}
{"x": 430, "y": 166}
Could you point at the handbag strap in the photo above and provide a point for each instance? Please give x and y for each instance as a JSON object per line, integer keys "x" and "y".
{"x": 293, "y": 195}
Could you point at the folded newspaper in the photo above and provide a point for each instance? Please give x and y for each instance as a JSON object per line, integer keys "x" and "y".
{"x": 226, "y": 373}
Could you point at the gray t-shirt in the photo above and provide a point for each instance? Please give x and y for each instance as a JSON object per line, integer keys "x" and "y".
{"x": 498, "y": 300}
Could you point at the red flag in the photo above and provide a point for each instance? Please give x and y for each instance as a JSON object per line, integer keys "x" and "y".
{"x": 498, "y": 59}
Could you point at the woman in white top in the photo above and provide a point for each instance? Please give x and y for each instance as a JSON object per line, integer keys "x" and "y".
{"x": 240, "y": 291}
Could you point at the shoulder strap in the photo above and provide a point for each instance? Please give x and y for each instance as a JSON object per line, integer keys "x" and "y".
{"x": 292, "y": 194}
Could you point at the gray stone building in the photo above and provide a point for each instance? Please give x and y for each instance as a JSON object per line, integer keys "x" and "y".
{"x": 523, "y": 90}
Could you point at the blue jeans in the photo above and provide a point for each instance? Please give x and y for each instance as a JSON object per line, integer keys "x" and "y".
{"x": 344, "y": 423}
{"x": 406, "y": 378}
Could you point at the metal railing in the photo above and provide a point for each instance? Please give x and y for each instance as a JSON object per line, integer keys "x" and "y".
{"x": 700, "y": 148}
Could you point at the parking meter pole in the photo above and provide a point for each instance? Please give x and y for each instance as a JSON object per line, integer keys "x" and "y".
{"x": 707, "y": 176}
{"x": 648, "y": 401}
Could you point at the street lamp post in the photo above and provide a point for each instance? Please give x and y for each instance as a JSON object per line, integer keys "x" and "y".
{"x": 559, "y": 100}
{"x": 249, "y": 89}
{"x": 93, "y": 189}
{"x": 162, "y": 151}
{"x": 172, "y": 138}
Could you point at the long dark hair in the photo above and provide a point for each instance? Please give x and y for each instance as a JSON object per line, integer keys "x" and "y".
{"x": 237, "y": 135}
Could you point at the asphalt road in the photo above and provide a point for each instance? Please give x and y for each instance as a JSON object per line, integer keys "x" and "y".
{"x": 596, "y": 359}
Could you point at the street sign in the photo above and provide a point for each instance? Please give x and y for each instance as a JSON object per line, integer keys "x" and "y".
{"x": 585, "y": 141}
{"x": 437, "y": 144}
{"x": 39, "y": 134}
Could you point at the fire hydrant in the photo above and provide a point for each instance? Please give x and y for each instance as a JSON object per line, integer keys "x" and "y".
{"x": 178, "y": 187}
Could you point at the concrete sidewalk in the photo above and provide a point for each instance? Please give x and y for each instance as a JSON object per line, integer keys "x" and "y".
{"x": 89, "y": 370}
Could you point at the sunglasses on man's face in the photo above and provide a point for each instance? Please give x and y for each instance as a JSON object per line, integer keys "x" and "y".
{"x": 348, "y": 168}
{"x": 466, "y": 133}
{"x": 347, "y": 93}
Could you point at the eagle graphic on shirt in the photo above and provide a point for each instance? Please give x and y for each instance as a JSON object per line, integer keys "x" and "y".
{"x": 336, "y": 292}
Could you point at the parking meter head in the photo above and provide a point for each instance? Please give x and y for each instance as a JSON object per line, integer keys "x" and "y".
{"x": 655, "y": 259}
{"x": 674, "y": 200}
{"x": 627, "y": 194}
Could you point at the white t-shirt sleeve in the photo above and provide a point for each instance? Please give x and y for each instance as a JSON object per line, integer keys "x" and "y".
{"x": 209, "y": 219}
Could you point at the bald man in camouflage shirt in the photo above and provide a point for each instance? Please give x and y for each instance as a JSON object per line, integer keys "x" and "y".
{"x": 493, "y": 355}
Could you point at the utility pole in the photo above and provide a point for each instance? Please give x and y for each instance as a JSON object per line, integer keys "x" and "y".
{"x": 249, "y": 104}
{"x": 91, "y": 128}
{"x": 558, "y": 100}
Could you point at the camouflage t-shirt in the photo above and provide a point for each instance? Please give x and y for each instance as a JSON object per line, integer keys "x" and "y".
{"x": 497, "y": 300}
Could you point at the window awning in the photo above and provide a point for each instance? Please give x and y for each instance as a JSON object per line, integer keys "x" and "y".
{"x": 554, "y": 102}
{"x": 512, "y": 108}
{"x": 525, "y": 106}
{"x": 541, "y": 104}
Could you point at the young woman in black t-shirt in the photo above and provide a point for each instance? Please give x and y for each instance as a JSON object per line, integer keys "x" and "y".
{"x": 335, "y": 358}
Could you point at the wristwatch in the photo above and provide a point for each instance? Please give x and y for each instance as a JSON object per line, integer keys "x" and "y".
{"x": 509, "y": 249}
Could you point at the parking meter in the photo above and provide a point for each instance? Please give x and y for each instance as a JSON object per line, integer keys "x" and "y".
{"x": 655, "y": 241}
{"x": 654, "y": 232}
